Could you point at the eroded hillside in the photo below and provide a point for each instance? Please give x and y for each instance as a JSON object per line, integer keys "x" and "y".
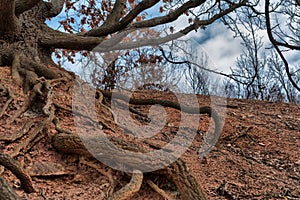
{"x": 257, "y": 155}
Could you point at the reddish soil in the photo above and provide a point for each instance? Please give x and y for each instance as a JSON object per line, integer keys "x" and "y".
{"x": 257, "y": 155}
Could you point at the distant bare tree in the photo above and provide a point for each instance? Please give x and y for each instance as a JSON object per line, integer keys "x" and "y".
{"x": 260, "y": 73}
{"x": 282, "y": 89}
{"x": 250, "y": 73}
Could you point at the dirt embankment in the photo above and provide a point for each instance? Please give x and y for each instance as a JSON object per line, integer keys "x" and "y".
{"x": 257, "y": 156}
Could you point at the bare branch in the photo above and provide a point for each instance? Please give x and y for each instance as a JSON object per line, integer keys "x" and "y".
{"x": 56, "y": 39}
{"x": 106, "y": 47}
{"x": 105, "y": 30}
{"x": 111, "y": 45}
{"x": 276, "y": 45}
{"x": 172, "y": 16}
{"x": 189, "y": 63}
{"x": 53, "y": 8}
{"x": 116, "y": 14}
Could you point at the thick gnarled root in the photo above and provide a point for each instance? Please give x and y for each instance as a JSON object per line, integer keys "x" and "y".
{"x": 129, "y": 190}
{"x": 40, "y": 97}
{"x": 14, "y": 166}
{"x": 27, "y": 72}
{"x": 6, "y": 192}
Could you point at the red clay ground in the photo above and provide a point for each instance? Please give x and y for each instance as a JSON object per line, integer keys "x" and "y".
{"x": 257, "y": 156}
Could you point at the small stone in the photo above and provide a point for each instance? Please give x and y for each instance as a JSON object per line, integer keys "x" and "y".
{"x": 279, "y": 116}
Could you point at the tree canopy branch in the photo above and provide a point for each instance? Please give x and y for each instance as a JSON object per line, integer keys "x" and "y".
{"x": 162, "y": 40}
{"x": 56, "y": 39}
{"x": 116, "y": 13}
{"x": 172, "y": 16}
{"x": 123, "y": 23}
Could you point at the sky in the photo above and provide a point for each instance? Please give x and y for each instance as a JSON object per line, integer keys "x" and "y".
{"x": 216, "y": 40}
{"x": 220, "y": 45}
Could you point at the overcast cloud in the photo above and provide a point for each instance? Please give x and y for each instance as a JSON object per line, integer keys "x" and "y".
{"x": 220, "y": 45}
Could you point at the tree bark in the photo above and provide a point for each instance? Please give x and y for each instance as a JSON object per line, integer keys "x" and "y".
{"x": 24, "y": 5}
{"x": 8, "y": 21}
{"x": 185, "y": 181}
{"x": 6, "y": 192}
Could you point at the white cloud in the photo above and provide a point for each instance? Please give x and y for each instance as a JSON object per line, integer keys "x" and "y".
{"x": 217, "y": 41}
{"x": 220, "y": 46}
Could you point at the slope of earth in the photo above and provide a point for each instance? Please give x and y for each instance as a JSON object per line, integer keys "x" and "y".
{"x": 256, "y": 157}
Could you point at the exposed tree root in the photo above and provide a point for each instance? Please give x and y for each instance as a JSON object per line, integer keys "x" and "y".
{"x": 103, "y": 172}
{"x": 209, "y": 141}
{"x": 7, "y": 92}
{"x": 158, "y": 190}
{"x": 107, "y": 174}
{"x": 31, "y": 136}
{"x": 35, "y": 96}
{"x": 178, "y": 171}
{"x": 129, "y": 190}
{"x": 6, "y": 192}
{"x": 21, "y": 64}
{"x": 41, "y": 92}
{"x": 187, "y": 109}
{"x": 58, "y": 128}
{"x": 100, "y": 102}
{"x": 57, "y": 105}
{"x": 27, "y": 72}
{"x": 18, "y": 134}
{"x": 36, "y": 139}
{"x": 16, "y": 65}
{"x": 142, "y": 115}
{"x": 185, "y": 181}
{"x": 102, "y": 121}
{"x": 14, "y": 166}
{"x": 20, "y": 111}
